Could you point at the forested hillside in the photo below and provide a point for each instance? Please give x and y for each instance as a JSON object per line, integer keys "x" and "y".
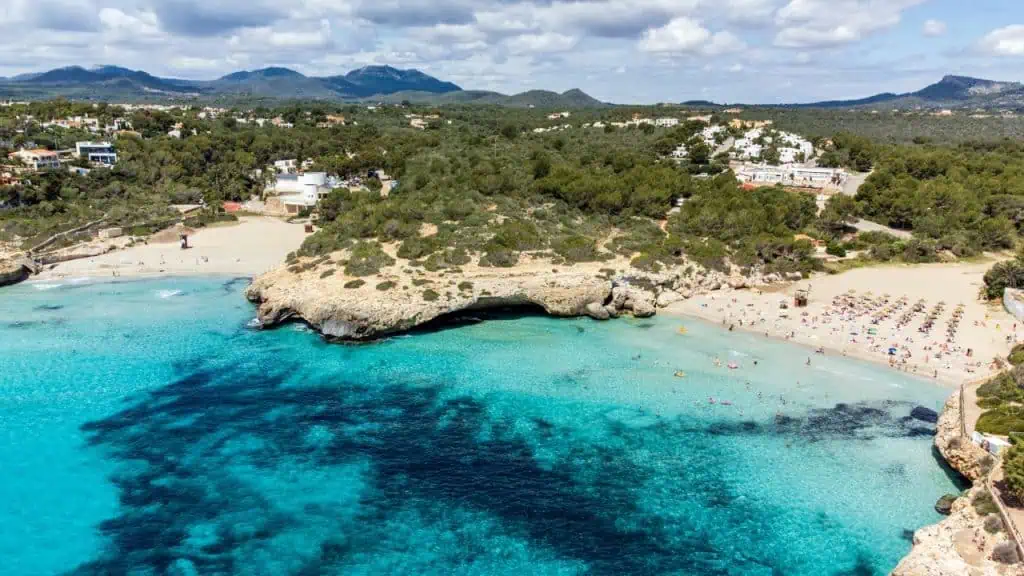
{"x": 494, "y": 188}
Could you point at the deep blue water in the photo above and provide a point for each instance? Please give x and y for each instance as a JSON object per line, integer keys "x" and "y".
{"x": 145, "y": 430}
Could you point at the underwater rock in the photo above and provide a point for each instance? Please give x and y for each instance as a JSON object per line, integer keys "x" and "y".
{"x": 945, "y": 504}
{"x": 182, "y": 567}
{"x": 924, "y": 414}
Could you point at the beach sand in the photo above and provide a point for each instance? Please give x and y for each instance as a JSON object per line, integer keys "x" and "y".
{"x": 842, "y": 311}
{"x": 252, "y": 246}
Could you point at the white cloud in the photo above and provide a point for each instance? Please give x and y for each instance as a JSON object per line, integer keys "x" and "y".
{"x": 820, "y": 23}
{"x": 688, "y": 36}
{"x": 679, "y": 35}
{"x": 545, "y": 43}
{"x": 289, "y": 38}
{"x": 1007, "y": 41}
{"x": 934, "y": 28}
{"x": 724, "y": 42}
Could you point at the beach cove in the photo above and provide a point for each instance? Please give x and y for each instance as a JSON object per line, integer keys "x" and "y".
{"x": 150, "y": 429}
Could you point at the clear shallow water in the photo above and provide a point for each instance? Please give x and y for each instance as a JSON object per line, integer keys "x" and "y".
{"x": 144, "y": 430}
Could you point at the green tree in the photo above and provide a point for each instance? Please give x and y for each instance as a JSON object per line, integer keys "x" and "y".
{"x": 839, "y": 213}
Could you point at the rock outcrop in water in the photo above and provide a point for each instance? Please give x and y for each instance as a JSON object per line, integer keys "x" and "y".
{"x": 17, "y": 270}
{"x": 959, "y": 545}
{"x": 402, "y": 297}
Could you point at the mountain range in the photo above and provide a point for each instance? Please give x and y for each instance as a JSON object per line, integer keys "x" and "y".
{"x": 388, "y": 84}
{"x": 950, "y": 92}
{"x": 113, "y": 83}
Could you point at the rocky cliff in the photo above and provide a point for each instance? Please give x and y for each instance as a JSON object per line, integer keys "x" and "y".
{"x": 401, "y": 297}
{"x": 17, "y": 270}
{"x": 959, "y": 545}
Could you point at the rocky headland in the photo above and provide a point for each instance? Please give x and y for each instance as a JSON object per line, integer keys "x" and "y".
{"x": 402, "y": 296}
{"x": 970, "y": 541}
{"x": 16, "y": 270}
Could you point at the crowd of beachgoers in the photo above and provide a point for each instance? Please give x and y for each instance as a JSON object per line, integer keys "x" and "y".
{"x": 934, "y": 327}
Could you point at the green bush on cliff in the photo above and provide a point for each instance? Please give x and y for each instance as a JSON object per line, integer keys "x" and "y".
{"x": 1017, "y": 355}
{"x": 353, "y": 284}
{"x": 366, "y": 259}
{"x": 576, "y": 248}
{"x": 430, "y": 296}
{"x": 984, "y": 504}
{"x": 1013, "y": 469}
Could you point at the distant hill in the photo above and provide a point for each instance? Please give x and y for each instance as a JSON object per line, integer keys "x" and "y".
{"x": 949, "y": 92}
{"x": 544, "y": 99}
{"x": 369, "y": 83}
{"x": 372, "y": 80}
{"x": 114, "y": 83}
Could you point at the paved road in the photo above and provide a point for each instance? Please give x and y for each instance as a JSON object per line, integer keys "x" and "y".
{"x": 866, "y": 226}
{"x": 725, "y": 146}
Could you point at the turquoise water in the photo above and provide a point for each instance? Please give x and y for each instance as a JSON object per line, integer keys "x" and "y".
{"x": 145, "y": 430}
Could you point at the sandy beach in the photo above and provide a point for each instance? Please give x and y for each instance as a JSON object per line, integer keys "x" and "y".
{"x": 925, "y": 320}
{"x": 252, "y": 246}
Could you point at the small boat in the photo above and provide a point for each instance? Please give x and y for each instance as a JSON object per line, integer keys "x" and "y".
{"x": 733, "y": 366}
{"x": 682, "y": 330}
{"x": 726, "y": 402}
{"x": 680, "y": 374}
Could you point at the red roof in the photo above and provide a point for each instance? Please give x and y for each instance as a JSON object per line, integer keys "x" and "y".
{"x": 231, "y": 206}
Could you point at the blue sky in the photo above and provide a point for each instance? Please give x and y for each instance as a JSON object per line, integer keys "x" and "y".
{"x": 642, "y": 51}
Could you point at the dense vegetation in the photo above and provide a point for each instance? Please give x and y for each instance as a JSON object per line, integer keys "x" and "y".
{"x": 480, "y": 182}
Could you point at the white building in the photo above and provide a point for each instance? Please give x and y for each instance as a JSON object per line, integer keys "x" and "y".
{"x": 680, "y": 152}
{"x": 666, "y": 122}
{"x": 101, "y": 153}
{"x": 286, "y": 166}
{"x": 37, "y": 159}
{"x": 299, "y": 191}
{"x": 751, "y": 152}
{"x": 710, "y": 134}
{"x": 819, "y": 178}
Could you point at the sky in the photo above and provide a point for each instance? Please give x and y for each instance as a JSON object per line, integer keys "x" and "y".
{"x": 623, "y": 51}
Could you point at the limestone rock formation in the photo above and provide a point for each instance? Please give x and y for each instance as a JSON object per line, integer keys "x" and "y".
{"x": 959, "y": 545}
{"x": 16, "y": 270}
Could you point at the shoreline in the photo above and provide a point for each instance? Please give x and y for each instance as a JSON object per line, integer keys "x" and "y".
{"x": 677, "y": 311}
{"x": 253, "y": 246}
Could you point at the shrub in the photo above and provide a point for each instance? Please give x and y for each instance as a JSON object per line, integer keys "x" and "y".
{"x": 1017, "y": 355}
{"x": 466, "y": 286}
{"x": 366, "y": 259}
{"x": 447, "y": 259}
{"x": 576, "y": 248}
{"x": 327, "y": 273}
{"x": 500, "y": 258}
{"x": 836, "y": 249}
{"x": 421, "y": 282}
{"x": 385, "y": 286}
{"x": 1001, "y": 421}
{"x": 355, "y": 283}
{"x": 993, "y": 523}
{"x": 1006, "y": 553}
{"x": 295, "y": 269}
{"x": 1003, "y": 275}
{"x": 986, "y": 464}
{"x": 984, "y": 504}
{"x": 1013, "y": 468}
{"x": 430, "y": 296}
